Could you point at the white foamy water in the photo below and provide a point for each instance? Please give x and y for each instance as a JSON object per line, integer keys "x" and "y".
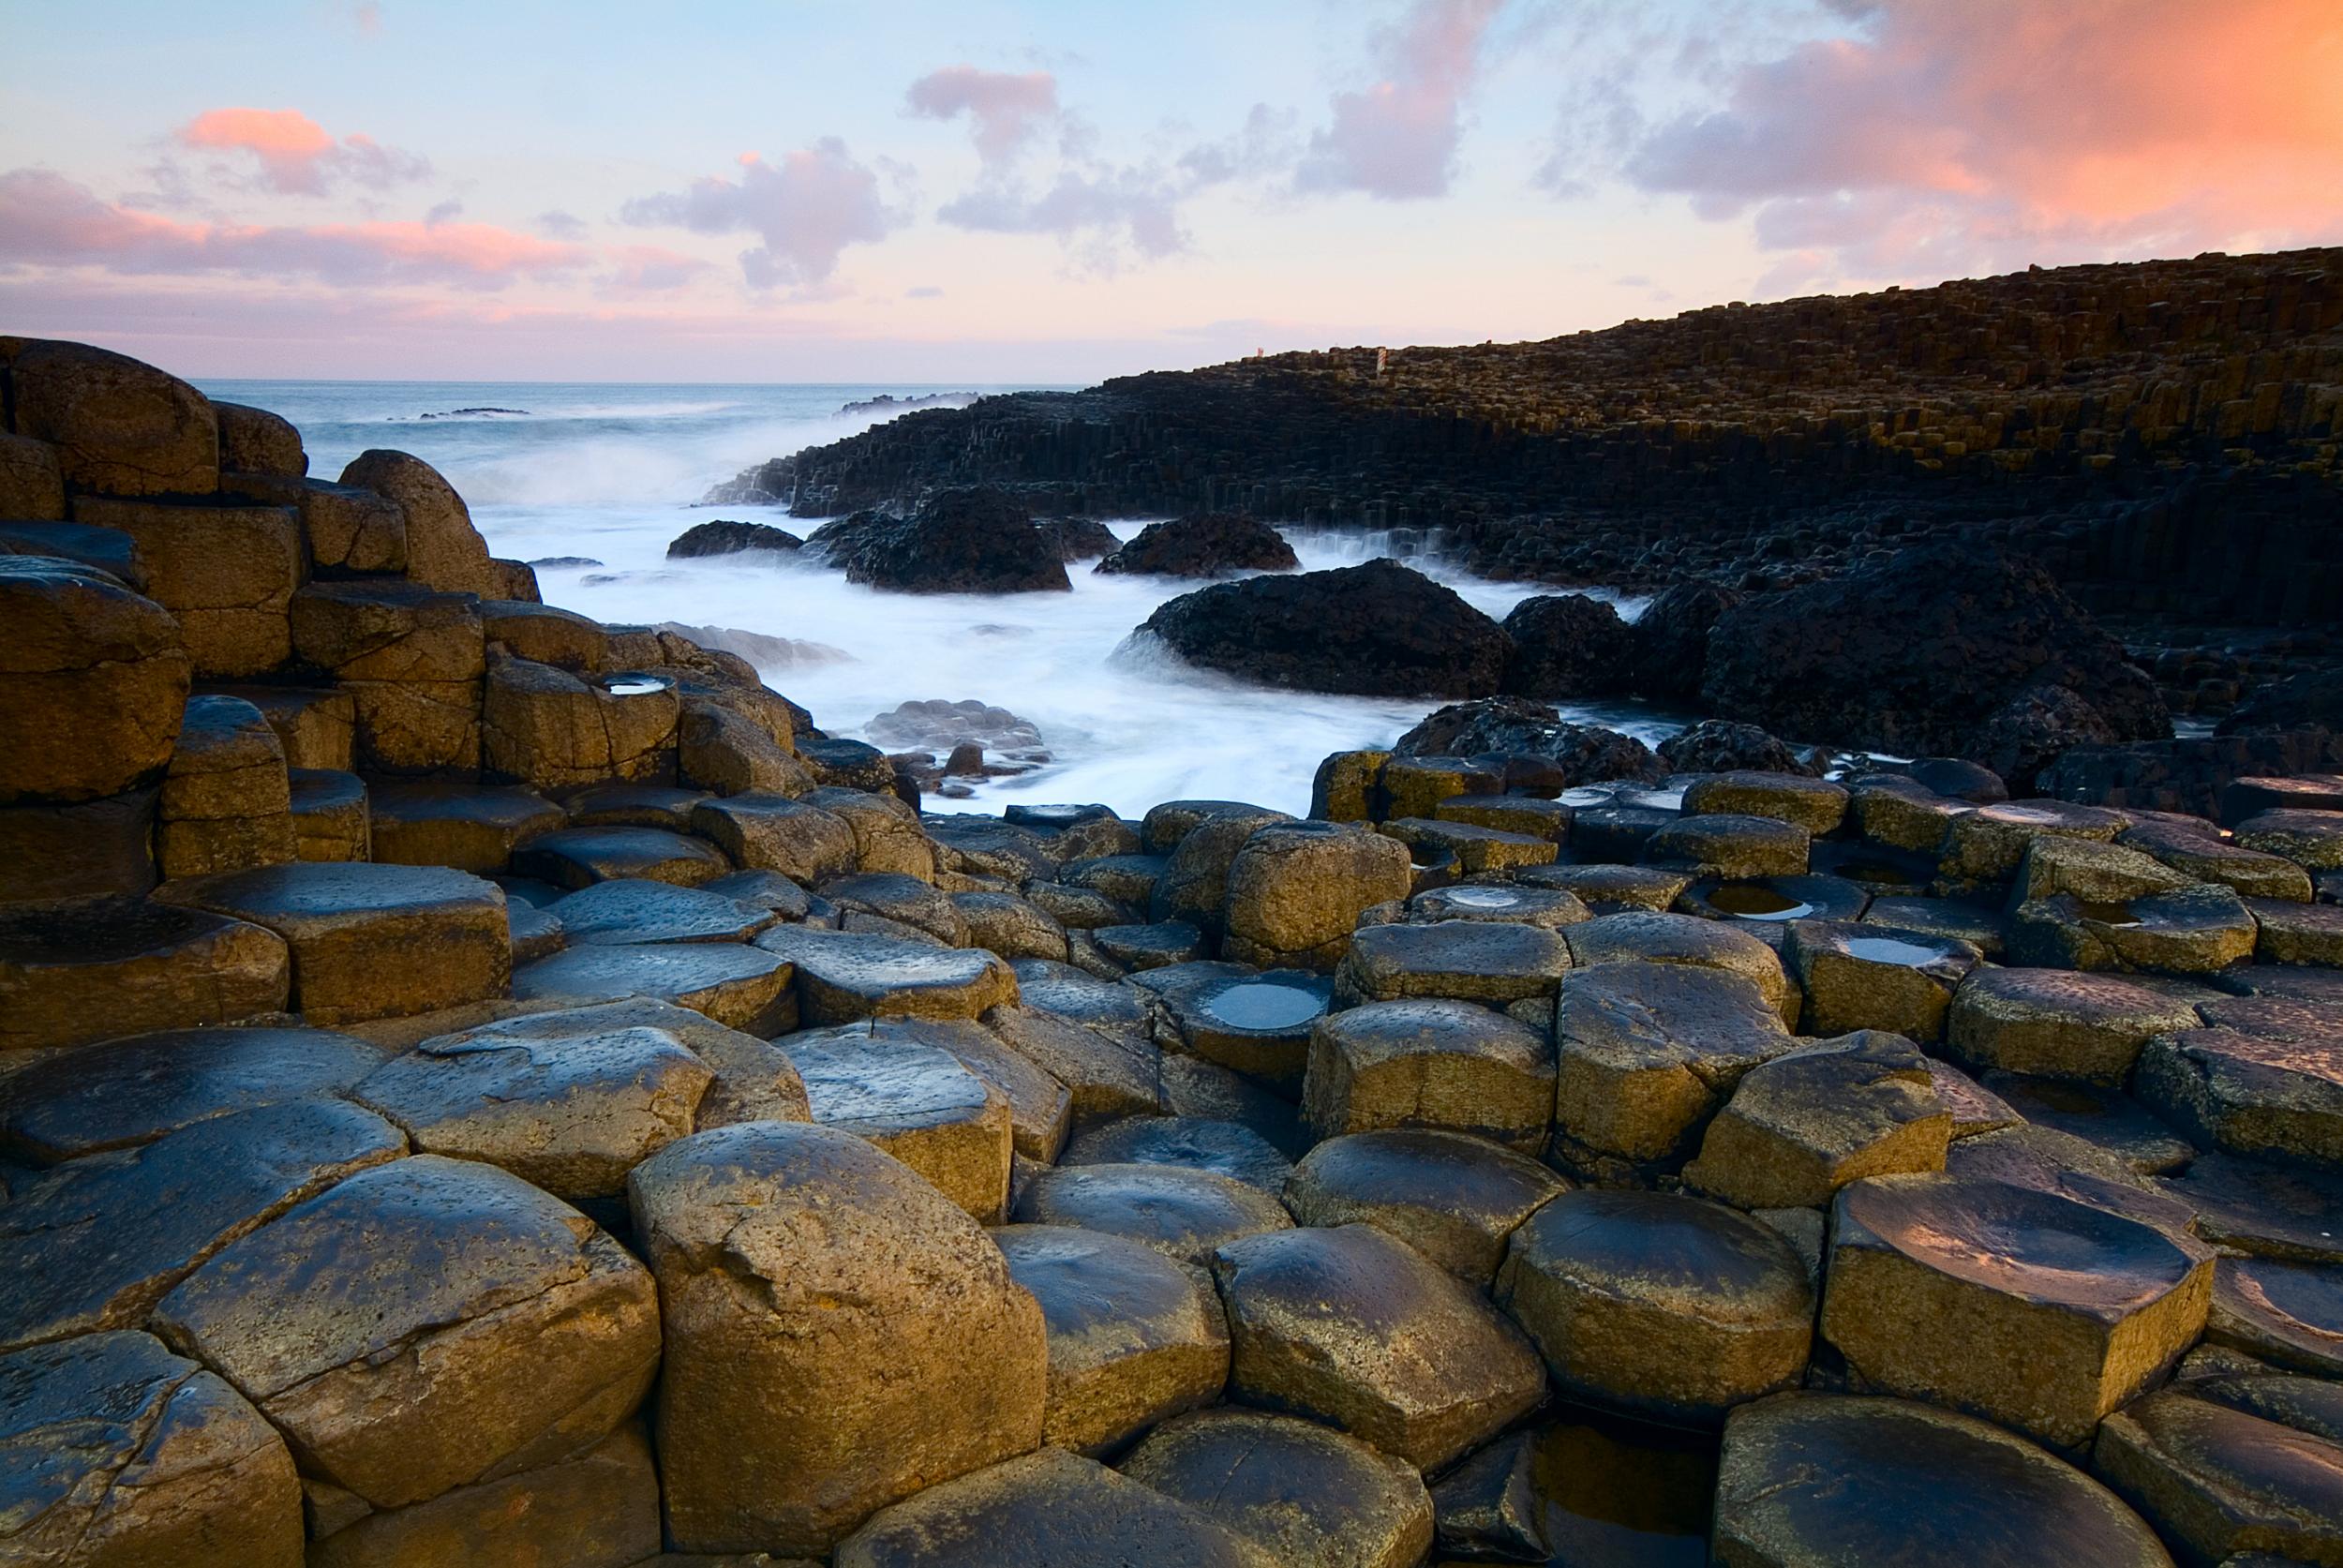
{"x": 611, "y": 472}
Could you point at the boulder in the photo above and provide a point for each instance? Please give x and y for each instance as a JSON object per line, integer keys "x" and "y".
{"x": 1191, "y": 1142}
{"x": 1379, "y": 629}
{"x": 577, "y": 858}
{"x": 2248, "y": 1093}
{"x": 1566, "y": 644}
{"x": 1908, "y": 655}
{"x": 772, "y": 832}
{"x": 1454, "y": 1197}
{"x": 351, "y": 532}
{"x": 2221, "y": 1483}
{"x": 32, "y": 484}
{"x": 77, "y": 970}
{"x": 839, "y": 1335}
{"x": 1669, "y": 647}
{"x": 225, "y": 803}
{"x": 1454, "y": 961}
{"x": 843, "y": 976}
{"x": 1517, "y": 728}
{"x": 425, "y": 1325}
{"x": 1441, "y": 1064}
{"x": 119, "y": 427}
{"x": 1309, "y": 1496}
{"x": 411, "y": 660}
{"x": 1332, "y": 1324}
{"x": 1721, "y": 746}
{"x": 121, "y": 1453}
{"x": 543, "y": 727}
{"x": 1802, "y": 1126}
{"x": 1658, "y": 1304}
{"x": 1857, "y": 975}
{"x": 921, "y": 1104}
{"x": 93, "y": 680}
{"x": 227, "y": 572}
{"x": 2053, "y": 1023}
{"x": 977, "y": 540}
{"x": 725, "y": 538}
{"x": 444, "y": 552}
{"x": 738, "y": 987}
{"x": 254, "y": 440}
{"x": 1296, "y": 891}
{"x": 1210, "y": 544}
{"x": 1814, "y": 1478}
{"x": 1179, "y": 1211}
{"x": 1635, "y": 936}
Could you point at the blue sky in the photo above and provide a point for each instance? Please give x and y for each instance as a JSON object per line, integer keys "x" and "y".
{"x": 1044, "y": 191}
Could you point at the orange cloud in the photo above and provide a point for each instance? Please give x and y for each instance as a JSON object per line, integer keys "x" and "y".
{"x": 296, "y": 156}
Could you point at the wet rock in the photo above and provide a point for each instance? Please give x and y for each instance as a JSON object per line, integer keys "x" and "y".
{"x": 2298, "y": 933}
{"x": 754, "y": 1080}
{"x": 724, "y": 537}
{"x": 1805, "y": 1124}
{"x": 478, "y": 829}
{"x": 2056, "y": 1024}
{"x": 2247, "y": 1094}
{"x": 1656, "y": 938}
{"x": 2220, "y": 1482}
{"x": 526, "y": 1334}
{"x": 96, "y": 679}
{"x": 2311, "y": 839}
{"x": 1179, "y": 1211}
{"x": 119, "y": 426}
{"x": 1550, "y": 909}
{"x": 2106, "y": 1118}
{"x": 845, "y": 975}
{"x": 444, "y": 552}
{"x": 1441, "y": 1064}
{"x": 2201, "y": 857}
{"x": 1052, "y": 1510}
{"x": 547, "y": 727}
{"x": 1669, "y": 646}
{"x": 1295, "y": 892}
{"x": 1310, "y": 1497}
{"x": 1474, "y": 850}
{"x": 917, "y": 1103}
{"x": 1646, "y": 1053}
{"x": 1465, "y": 961}
{"x": 638, "y": 910}
{"x": 97, "y": 1242}
{"x": 1225, "y": 1148}
{"x": 839, "y": 1335}
{"x": 960, "y": 541}
{"x": 1720, "y": 745}
{"x": 1986, "y": 846}
{"x": 2067, "y": 1310}
{"x": 1904, "y": 655}
{"x": 887, "y": 837}
{"x": 1829, "y": 1478}
{"x": 739, "y": 987}
{"x": 1860, "y": 976}
{"x": 77, "y": 970}
{"x": 124, "y": 1452}
{"x": 1256, "y": 1023}
{"x": 1210, "y": 544}
{"x": 2198, "y": 930}
{"x": 1078, "y": 538}
{"x": 330, "y": 816}
{"x": 1377, "y": 629}
{"x": 1611, "y": 890}
{"x": 1566, "y": 644}
{"x": 1415, "y": 786}
{"x": 1952, "y": 919}
{"x": 1517, "y": 728}
{"x": 772, "y": 832}
{"x": 1524, "y": 814}
{"x": 1454, "y": 1197}
{"x": 1658, "y": 1304}
{"x": 1134, "y": 1337}
{"x": 1010, "y": 927}
{"x": 1902, "y": 813}
{"x": 2287, "y": 1314}
{"x": 1332, "y": 1324}
{"x": 2263, "y": 1208}
{"x": 900, "y": 901}
{"x": 575, "y": 858}
{"x": 1735, "y": 847}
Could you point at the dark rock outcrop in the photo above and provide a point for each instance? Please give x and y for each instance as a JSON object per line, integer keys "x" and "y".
{"x": 965, "y": 541}
{"x": 1567, "y": 645}
{"x": 2314, "y": 699}
{"x": 1376, "y": 630}
{"x": 725, "y": 537}
{"x": 1207, "y": 545}
{"x": 1670, "y": 643}
{"x": 1516, "y": 728}
{"x": 1722, "y": 746}
{"x": 1080, "y": 538}
{"x": 1918, "y": 652}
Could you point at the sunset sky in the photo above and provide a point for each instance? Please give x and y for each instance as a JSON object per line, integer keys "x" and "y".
{"x": 981, "y": 191}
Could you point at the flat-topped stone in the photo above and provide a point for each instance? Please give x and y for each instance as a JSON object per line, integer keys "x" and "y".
{"x": 1804, "y": 1125}
{"x": 2106, "y": 1118}
{"x": 2054, "y": 1023}
{"x": 1297, "y": 889}
{"x": 97, "y": 1242}
{"x": 1550, "y": 907}
{"x": 1309, "y": 1496}
{"x": 1478, "y": 849}
{"x": 1525, "y": 814}
{"x": 919, "y": 1103}
{"x": 1636, "y": 936}
{"x": 77, "y": 970}
{"x": 2311, "y": 839}
{"x": 124, "y": 1452}
{"x": 330, "y": 816}
{"x": 1436, "y": 1064}
{"x": 125, "y": 1092}
{"x": 774, "y": 832}
{"x": 1765, "y": 907}
{"x": 845, "y": 976}
{"x": 1658, "y": 1304}
{"x": 1859, "y": 975}
{"x": 628, "y": 910}
{"x": 1816, "y": 805}
{"x": 1646, "y": 1053}
{"x": 1454, "y": 1197}
{"x": 1470, "y": 961}
{"x": 1194, "y": 1143}
{"x": 2204, "y": 856}
{"x": 473, "y": 827}
{"x": 1041, "y": 1109}
{"x": 902, "y": 902}
{"x": 1330, "y": 1323}
{"x": 369, "y": 941}
{"x": 739, "y": 986}
{"x": 2067, "y": 1310}
{"x": 1984, "y": 929}
{"x": 1179, "y": 1211}
{"x": 2287, "y": 1314}
{"x": 1905, "y": 813}
{"x": 1011, "y": 926}
{"x": 2263, "y": 1208}
{"x": 526, "y": 1333}
{"x": 2220, "y": 1482}
{"x": 2198, "y": 930}
{"x": 1985, "y": 845}
{"x": 1732, "y": 846}
{"x": 1255, "y": 1023}
{"x": 2248, "y": 1093}
{"x": 576, "y": 857}
{"x": 1609, "y": 890}
{"x": 2306, "y": 933}
{"x": 621, "y": 803}
{"x": 1813, "y": 1478}
{"x": 1134, "y": 1336}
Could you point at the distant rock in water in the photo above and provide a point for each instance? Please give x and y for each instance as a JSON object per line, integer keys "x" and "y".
{"x": 1210, "y": 544}
{"x": 1917, "y": 652}
{"x": 1080, "y": 538}
{"x": 724, "y": 537}
{"x": 1376, "y": 630}
{"x": 1516, "y": 728}
{"x": 961, "y": 541}
{"x": 937, "y": 726}
{"x": 888, "y": 404}
{"x": 565, "y": 560}
{"x": 1566, "y": 644}
{"x": 1722, "y": 746}
{"x": 467, "y": 413}
{"x": 764, "y": 651}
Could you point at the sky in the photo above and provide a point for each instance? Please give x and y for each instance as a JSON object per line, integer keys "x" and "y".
{"x": 1014, "y": 191}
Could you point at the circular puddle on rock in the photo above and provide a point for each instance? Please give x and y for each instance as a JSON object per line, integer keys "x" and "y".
{"x": 1482, "y": 898}
{"x": 633, "y": 685}
{"x": 1754, "y": 900}
{"x": 1264, "y": 1005}
{"x": 1886, "y": 949}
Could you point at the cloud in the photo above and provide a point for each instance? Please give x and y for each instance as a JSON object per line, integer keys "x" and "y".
{"x": 294, "y": 156}
{"x": 558, "y": 225}
{"x": 637, "y": 269}
{"x": 1942, "y": 136}
{"x": 47, "y": 219}
{"x": 807, "y": 209}
{"x": 1140, "y": 204}
{"x": 1004, "y": 109}
{"x": 1397, "y": 138}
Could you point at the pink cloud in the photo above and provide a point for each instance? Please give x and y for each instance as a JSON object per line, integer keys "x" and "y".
{"x": 48, "y": 219}
{"x": 650, "y": 269}
{"x": 296, "y": 156}
{"x": 807, "y": 209}
{"x": 1004, "y": 109}
{"x": 1396, "y": 139}
{"x": 1952, "y": 134}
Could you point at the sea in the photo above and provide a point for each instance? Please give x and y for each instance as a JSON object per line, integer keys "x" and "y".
{"x": 608, "y": 473}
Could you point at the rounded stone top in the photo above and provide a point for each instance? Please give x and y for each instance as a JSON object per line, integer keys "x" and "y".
{"x": 1681, "y": 1253}
{"x": 1093, "y": 1286}
{"x": 1181, "y": 1212}
{"x": 96, "y": 930}
{"x": 1376, "y": 1032}
{"x": 340, "y": 888}
{"x": 2015, "y": 1240}
{"x": 1810, "y": 1478}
